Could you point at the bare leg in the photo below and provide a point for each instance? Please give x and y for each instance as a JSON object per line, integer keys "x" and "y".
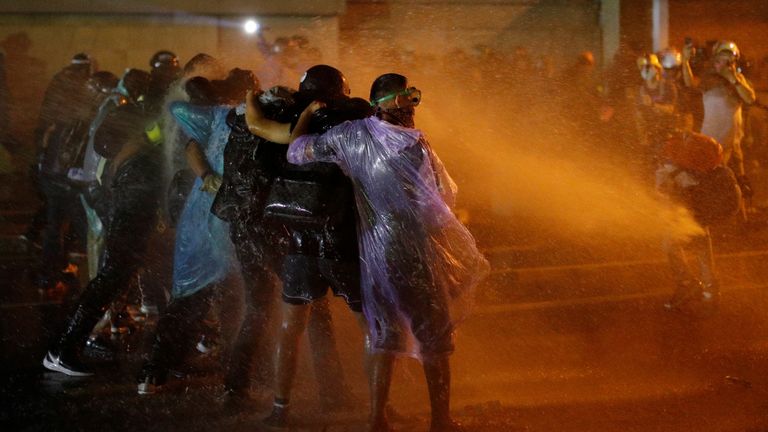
{"x": 287, "y": 351}
{"x": 438, "y": 373}
{"x": 705, "y": 256}
{"x": 334, "y": 395}
{"x": 688, "y": 286}
{"x": 286, "y": 356}
{"x": 363, "y": 324}
{"x": 381, "y": 365}
{"x": 677, "y": 261}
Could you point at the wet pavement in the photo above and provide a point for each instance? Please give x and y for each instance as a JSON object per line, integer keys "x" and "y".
{"x": 599, "y": 359}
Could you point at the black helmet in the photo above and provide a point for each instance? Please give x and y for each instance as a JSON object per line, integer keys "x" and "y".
{"x": 324, "y": 81}
{"x": 164, "y": 58}
{"x": 81, "y": 59}
{"x": 134, "y": 84}
{"x": 102, "y": 82}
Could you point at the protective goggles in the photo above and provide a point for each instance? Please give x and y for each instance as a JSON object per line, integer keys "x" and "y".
{"x": 414, "y": 96}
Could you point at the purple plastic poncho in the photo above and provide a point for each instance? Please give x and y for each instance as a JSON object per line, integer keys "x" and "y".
{"x": 419, "y": 264}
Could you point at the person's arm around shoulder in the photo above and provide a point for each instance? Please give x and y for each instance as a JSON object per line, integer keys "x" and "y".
{"x": 303, "y": 150}
{"x": 261, "y": 126}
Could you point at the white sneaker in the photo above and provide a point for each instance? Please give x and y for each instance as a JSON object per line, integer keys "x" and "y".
{"x": 73, "y": 368}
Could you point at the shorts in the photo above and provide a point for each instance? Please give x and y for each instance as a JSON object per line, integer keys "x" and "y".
{"x": 420, "y": 301}
{"x": 307, "y": 278}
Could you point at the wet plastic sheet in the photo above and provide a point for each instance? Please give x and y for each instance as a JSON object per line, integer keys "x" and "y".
{"x": 203, "y": 253}
{"x": 419, "y": 264}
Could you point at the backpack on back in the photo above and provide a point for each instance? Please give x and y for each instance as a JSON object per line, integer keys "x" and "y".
{"x": 717, "y": 196}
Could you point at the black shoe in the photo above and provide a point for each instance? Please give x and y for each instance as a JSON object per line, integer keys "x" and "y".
{"x": 68, "y": 365}
{"x": 277, "y": 419}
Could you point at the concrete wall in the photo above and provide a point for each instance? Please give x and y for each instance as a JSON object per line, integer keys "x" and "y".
{"x": 219, "y": 7}
{"x": 556, "y": 27}
{"x": 121, "y": 41}
{"x": 743, "y": 21}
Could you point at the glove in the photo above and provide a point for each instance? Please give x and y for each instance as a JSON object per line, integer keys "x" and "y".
{"x": 211, "y": 183}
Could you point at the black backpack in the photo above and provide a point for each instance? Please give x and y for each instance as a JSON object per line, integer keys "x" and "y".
{"x": 717, "y": 196}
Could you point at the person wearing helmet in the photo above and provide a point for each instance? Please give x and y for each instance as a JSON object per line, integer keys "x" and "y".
{"x": 251, "y": 164}
{"x": 724, "y": 91}
{"x": 314, "y": 205}
{"x": 61, "y": 132}
{"x": 417, "y": 261}
{"x": 127, "y": 203}
{"x": 689, "y": 107}
{"x": 164, "y": 70}
{"x": 129, "y": 91}
{"x": 100, "y": 85}
{"x": 203, "y": 255}
{"x": 670, "y": 59}
{"x": 657, "y": 102}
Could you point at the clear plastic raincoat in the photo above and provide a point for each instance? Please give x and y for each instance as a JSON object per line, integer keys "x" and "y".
{"x": 203, "y": 253}
{"x": 419, "y": 264}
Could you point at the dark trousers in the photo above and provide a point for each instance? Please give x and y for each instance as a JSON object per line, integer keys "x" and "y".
{"x": 251, "y": 343}
{"x": 177, "y": 331}
{"x": 125, "y": 247}
{"x": 64, "y": 225}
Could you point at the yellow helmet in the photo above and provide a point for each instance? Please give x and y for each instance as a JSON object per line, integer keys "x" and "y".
{"x": 726, "y": 46}
{"x": 648, "y": 60}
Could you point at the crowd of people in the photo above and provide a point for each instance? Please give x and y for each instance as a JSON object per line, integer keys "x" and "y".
{"x": 690, "y": 107}
{"x": 191, "y": 182}
{"x": 198, "y": 182}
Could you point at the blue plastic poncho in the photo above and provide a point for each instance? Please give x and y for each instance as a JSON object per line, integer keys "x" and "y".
{"x": 419, "y": 264}
{"x": 203, "y": 252}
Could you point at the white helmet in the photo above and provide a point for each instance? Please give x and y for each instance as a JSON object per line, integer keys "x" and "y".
{"x": 671, "y": 58}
